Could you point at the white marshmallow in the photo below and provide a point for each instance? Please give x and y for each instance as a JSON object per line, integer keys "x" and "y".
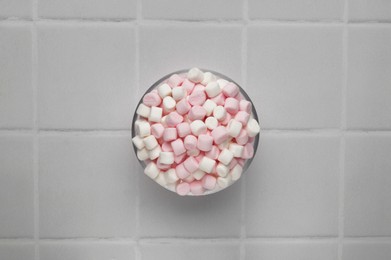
{"x": 155, "y": 152}
{"x": 207, "y": 164}
{"x": 163, "y": 121}
{"x": 198, "y": 127}
{"x": 236, "y": 149}
{"x": 164, "y": 90}
{"x": 236, "y": 172}
{"x": 222, "y": 170}
{"x": 234, "y": 127}
{"x": 195, "y": 75}
{"x": 219, "y": 113}
{"x": 198, "y": 174}
{"x": 138, "y": 142}
{"x": 150, "y": 142}
{"x": 225, "y": 156}
{"x": 222, "y": 83}
{"x": 171, "y": 176}
{"x": 166, "y": 158}
{"x": 252, "y": 127}
{"x": 171, "y": 187}
{"x": 178, "y": 93}
{"x": 169, "y": 104}
{"x": 193, "y": 153}
{"x": 143, "y": 110}
{"x": 211, "y": 123}
{"x": 156, "y": 114}
{"x": 208, "y": 77}
{"x": 209, "y": 106}
{"x": 225, "y": 144}
{"x": 143, "y": 129}
{"x": 142, "y": 154}
{"x": 151, "y": 170}
{"x": 224, "y": 182}
{"x": 212, "y": 89}
{"x": 161, "y": 180}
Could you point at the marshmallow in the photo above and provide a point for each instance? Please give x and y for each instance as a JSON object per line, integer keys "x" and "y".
{"x": 188, "y": 85}
{"x": 198, "y": 174}
{"x": 152, "y": 99}
{"x": 225, "y": 144}
{"x": 205, "y": 142}
{"x": 183, "y": 129}
{"x": 248, "y": 151}
{"x": 161, "y": 180}
{"x": 171, "y": 176}
{"x": 194, "y": 152}
{"x": 252, "y": 127}
{"x": 222, "y": 82}
{"x": 242, "y": 117}
{"x": 157, "y": 130}
{"x": 196, "y": 188}
{"x": 231, "y": 105}
{"x": 213, "y": 153}
{"x": 226, "y": 120}
{"x": 189, "y": 179}
{"x": 178, "y": 93}
{"x": 236, "y": 172}
{"x": 169, "y": 104}
{"x": 236, "y": 149}
{"x": 198, "y": 87}
{"x": 164, "y": 90}
{"x": 173, "y": 119}
{"x": 197, "y": 97}
{"x": 155, "y": 152}
{"x": 230, "y": 89}
{"x": 209, "y": 106}
{"x": 207, "y": 164}
{"x": 155, "y": 114}
{"x": 138, "y": 142}
{"x": 208, "y": 77}
{"x": 191, "y": 164}
{"x": 166, "y": 147}
{"x": 211, "y": 122}
{"x": 234, "y": 128}
{"x": 183, "y": 188}
{"x": 178, "y": 146}
{"x": 169, "y": 134}
{"x": 143, "y": 110}
{"x": 162, "y": 166}
{"x": 220, "y": 134}
{"x": 174, "y": 80}
{"x": 150, "y": 142}
{"x": 219, "y": 113}
{"x": 190, "y": 142}
{"x": 142, "y": 154}
{"x": 183, "y": 106}
{"x": 180, "y": 158}
{"x": 245, "y": 105}
{"x": 181, "y": 171}
{"x": 212, "y": 89}
{"x": 225, "y": 156}
{"x": 151, "y": 170}
{"x": 195, "y": 75}
{"x": 198, "y": 127}
{"x": 222, "y": 170}
{"x": 224, "y": 182}
{"x": 197, "y": 112}
{"x": 242, "y": 138}
{"x": 166, "y": 158}
{"x": 219, "y": 99}
{"x": 209, "y": 182}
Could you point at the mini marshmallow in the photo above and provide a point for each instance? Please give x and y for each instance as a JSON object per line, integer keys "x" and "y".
{"x": 196, "y": 188}
{"x": 198, "y": 127}
{"x": 208, "y": 77}
{"x": 166, "y": 158}
{"x": 222, "y": 170}
{"x": 197, "y": 97}
{"x": 188, "y": 85}
{"x": 169, "y": 134}
{"x": 164, "y": 90}
{"x": 194, "y": 152}
{"x": 178, "y": 147}
{"x": 230, "y": 89}
{"x": 207, "y": 164}
{"x": 211, "y": 122}
{"x": 231, "y": 105}
{"x": 180, "y": 158}
{"x": 198, "y": 174}
{"x": 234, "y": 127}
{"x": 222, "y": 82}
{"x": 236, "y": 149}
{"x": 189, "y": 179}
{"x": 242, "y": 117}
{"x": 183, "y": 106}
{"x": 219, "y": 113}
{"x": 225, "y": 156}
{"x": 197, "y": 112}
{"x": 162, "y": 166}
{"x": 191, "y": 164}
{"x": 173, "y": 119}
{"x": 157, "y": 130}
{"x": 166, "y": 147}
{"x": 242, "y": 138}
{"x": 219, "y": 99}
{"x": 171, "y": 176}
{"x": 245, "y": 105}
{"x": 138, "y": 142}
{"x": 252, "y": 127}
{"x": 212, "y": 89}
{"x": 209, "y": 106}
{"x": 174, "y": 80}
{"x": 181, "y": 171}
{"x": 195, "y": 75}
{"x": 183, "y": 188}
{"x": 178, "y": 93}
{"x": 156, "y": 114}
{"x": 248, "y": 151}
{"x": 183, "y": 129}
{"x": 220, "y": 134}
{"x": 205, "y": 142}
{"x": 151, "y": 170}
{"x": 225, "y": 144}
{"x": 236, "y": 172}
{"x": 224, "y": 182}
{"x": 213, "y": 153}
{"x": 190, "y": 142}
{"x": 198, "y": 87}
{"x": 152, "y": 99}
{"x": 161, "y": 180}
{"x": 155, "y": 152}
{"x": 143, "y": 110}
{"x": 150, "y": 142}
{"x": 142, "y": 154}
{"x": 226, "y": 120}
{"x": 209, "y": 182}
{"x": 169, "y": 104}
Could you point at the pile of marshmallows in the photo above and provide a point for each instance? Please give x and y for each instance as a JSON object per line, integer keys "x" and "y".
{"x": 195, "y": 133}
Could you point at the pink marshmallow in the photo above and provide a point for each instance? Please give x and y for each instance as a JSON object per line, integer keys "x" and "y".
{"x": 213, "y": 153}
{"x": 183, "y": 106}
{"x": 226, "y": 120}
{"x": 220, "y": 134}
{"x": 204, "y": 142}
{"x": 152, "y": 99}
{"x": 162, "y": 166}
{"x": 169, "y": 134}
{"x": 242, "y": 117}
{"x": 181, "y": 171}
{"x": 199, "y": 87}
{"x": 196, "y": 188}
{"x": 200, "y": 156}
{"x": 173, "y": 119}
{"x": 242, "y": 138}
{"x": 191, "y": 164}
{"x": 157, "y": 130}
{"x": 197, "y": 113}
{"x": 231, "y": 105}
{"x": 166, "y": 147}
{"x": 188, "y": 85}
{"x": 233, "y": 163}
{"x": 241, "y": 162}
{"x": 189, "y": 179}
{"x": 180, "y": 158}
{"x": 183, "y": 188}
{"x": 208, "y": 182}
{"x": 178, "y": 146}
{"x": 183, "y": 129}
{"x": 245, "y": 105}
{"x": 230, "y": 90}
{"x": 248, "y": 151}
{"x": 174, "y": 80}
{"x": 197, "y": 97}
{"x": 190, "y": 142}
{"x": 219, "y": 99}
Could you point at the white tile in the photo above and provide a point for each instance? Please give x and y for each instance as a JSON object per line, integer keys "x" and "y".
{"x": 165, "y": 49}
{"x": 113, "y": 9}
{"x": 192, "y": 10}
{"x": 86, "y": 76}
{"x": 366, "y": 251}
{"x": 369, "y": 77}
{"x": 296, "y": 9}
{"x": 291, "y": 251}
{"x": 295, "y": 75}
{"x": 292, "y": 187}
{"x": 83, "y": 251}
{"x": 20, "y": 251}
{"x": 87, "y": 186}
{"x": 190, "y": 252}
{"x": 166, "y": 214}
{"x": 16, "y": 187}
{"x": 369, "y": 10}
{"x": 15, "y": 8}
{"x": 15, "y": 76}
{"x": 367, "y": 186}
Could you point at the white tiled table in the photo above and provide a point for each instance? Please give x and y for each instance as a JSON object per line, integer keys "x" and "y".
{"x": 72, "y": 72}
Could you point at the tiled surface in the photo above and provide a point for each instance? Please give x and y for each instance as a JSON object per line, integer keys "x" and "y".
{"x": 71, "y": 73}
{"x": 291, "y": 251}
